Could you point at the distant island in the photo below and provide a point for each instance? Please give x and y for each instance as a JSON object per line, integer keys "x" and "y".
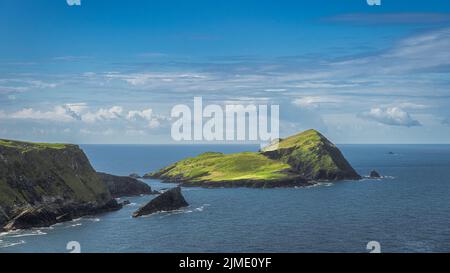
{"x": 298, "y": 160}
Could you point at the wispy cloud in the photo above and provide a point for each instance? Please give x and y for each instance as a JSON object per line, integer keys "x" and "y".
{"x": 391, "y": 18}
{"x": 80, "y": 112}
{"x": 316, "y": 101}
{"x": 58, "y": 114}
{"x": 394, "y": 116}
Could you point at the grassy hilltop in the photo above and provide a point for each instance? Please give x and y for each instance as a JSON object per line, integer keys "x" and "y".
{"x": 303, "y": 157}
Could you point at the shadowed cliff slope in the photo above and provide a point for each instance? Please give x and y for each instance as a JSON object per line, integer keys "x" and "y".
{"x": 54, "y": 182}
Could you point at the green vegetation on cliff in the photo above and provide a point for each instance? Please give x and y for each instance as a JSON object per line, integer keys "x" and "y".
{"x": 26, "y": 146}
{"x": 57, "y": 175}
{"x": 308, "y": 156}
{"x": 226, "y": 167}
{"x": 313, "y": 156}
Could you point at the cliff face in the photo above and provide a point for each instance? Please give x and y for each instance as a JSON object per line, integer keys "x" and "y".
{"x": 313, "y": 156}
{"x": 120, "y": 186}
{"x": 53, "y": 181}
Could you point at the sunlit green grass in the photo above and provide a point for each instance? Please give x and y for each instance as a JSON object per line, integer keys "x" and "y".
{"x": 227, "y": 167}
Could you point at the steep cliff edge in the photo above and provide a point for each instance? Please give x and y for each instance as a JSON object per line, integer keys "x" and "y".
{"x": 42, "y": 184}
{"x": 120, "y": 186}
{"x": 313, "y": 156}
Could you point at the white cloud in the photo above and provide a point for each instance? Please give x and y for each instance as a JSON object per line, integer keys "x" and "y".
{"x": 75, "y": 109}
{"x": 314, "y": 101}
{"x": 102, "y": 114}
{"x": 144, "y": 114}
{"x": 153, "y": 121}
{"x": 59, "y": 113}
{"x": 139, "y": 79}
{"x": 394, "y": 116}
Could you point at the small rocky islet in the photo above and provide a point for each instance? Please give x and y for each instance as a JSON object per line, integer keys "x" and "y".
{"x": 43, "y": 184}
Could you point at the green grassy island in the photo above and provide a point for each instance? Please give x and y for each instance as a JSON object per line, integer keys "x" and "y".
{"x": 298, "y": 160}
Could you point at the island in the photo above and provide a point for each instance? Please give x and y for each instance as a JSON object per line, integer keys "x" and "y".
{"x": 299, "y": 160}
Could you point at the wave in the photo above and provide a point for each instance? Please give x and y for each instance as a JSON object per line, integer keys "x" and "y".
{"x": 10, "y": 244}
{"x": 164, "y": 214}
{"x": 366, "y": 178}
{"x": 27, "y": 233}
{"x": 319, "y": 184}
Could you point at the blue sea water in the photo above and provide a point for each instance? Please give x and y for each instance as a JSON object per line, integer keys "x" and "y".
{"x": 406, "y": 211}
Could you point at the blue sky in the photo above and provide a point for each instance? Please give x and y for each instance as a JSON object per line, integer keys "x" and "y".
{"x": 110, "y": 71}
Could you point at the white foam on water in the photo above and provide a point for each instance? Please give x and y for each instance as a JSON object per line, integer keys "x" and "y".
{"x": 10, "y": 244}
{"x": 319, "y": 184}
{"x": 27, "y": 233}
{"x": 368, "y": 178}
{"x": 201, "y": 208}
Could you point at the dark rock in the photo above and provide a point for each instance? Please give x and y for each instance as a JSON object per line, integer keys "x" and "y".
{"x": 374, "y": 174}
{"x": 33, "y": 217}
{"x": 47, "y": 215}
{"x": 391, "y": 153}
{"x": 125, "y": 202}
{"x": 168, "y": 201}
{"x": 64, "y": 218}
{"x": 120, "y": 186}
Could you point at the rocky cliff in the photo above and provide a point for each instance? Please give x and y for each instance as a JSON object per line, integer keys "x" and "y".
{"x": 42, "y": 184}
{"x": 167, "y": 201}
{"x": 312, "y": 156}
{"x": 120, "y": 186}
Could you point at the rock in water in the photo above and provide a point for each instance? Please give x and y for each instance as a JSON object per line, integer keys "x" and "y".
{"x": 168, "y": 201}
{"x": 120, "y": 186}
{"x": 43, "y": 184}
{"x": 374, "y": 174}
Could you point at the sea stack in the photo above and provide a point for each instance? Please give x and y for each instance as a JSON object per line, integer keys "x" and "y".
{"x": 374, "y": 174}
{"x": 168, "y": 201}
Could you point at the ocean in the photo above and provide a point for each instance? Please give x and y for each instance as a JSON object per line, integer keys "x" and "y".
{"x": 408, "y": 210}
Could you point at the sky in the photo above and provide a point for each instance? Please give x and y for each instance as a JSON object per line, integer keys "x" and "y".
{"x": 101, "y": 71}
